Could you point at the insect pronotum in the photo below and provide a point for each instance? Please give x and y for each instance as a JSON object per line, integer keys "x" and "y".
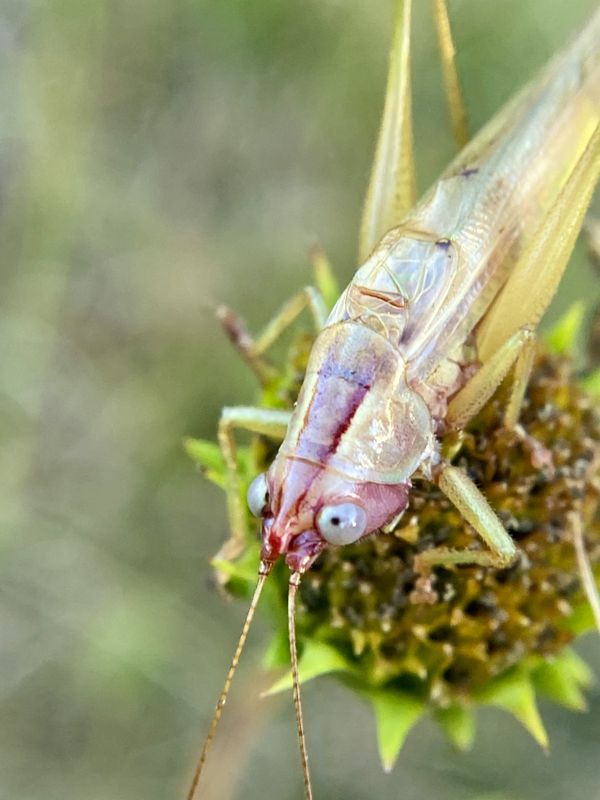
{"x": 444, "y": 307}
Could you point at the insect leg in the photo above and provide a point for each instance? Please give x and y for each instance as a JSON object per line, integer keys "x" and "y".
{"x": 518, "y": 352}
{"x": 466, "y": 497}
{"x": 252, "y": 348}
{"x": 309, "y": 298}
{"x": 392, "y": 185}
{"x": 456, "y": 105}
{"x": 243, "y": 341}
{"x": 264, "y": 421}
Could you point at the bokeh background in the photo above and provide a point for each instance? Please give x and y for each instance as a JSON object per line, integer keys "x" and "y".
{"x": 157, "y": 157}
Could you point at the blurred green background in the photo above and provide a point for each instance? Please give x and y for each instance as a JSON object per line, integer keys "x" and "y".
{"x": 157, "y": 158}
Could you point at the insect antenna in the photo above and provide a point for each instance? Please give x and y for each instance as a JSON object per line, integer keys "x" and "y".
{"x": 293, "y": 587}
{"x": 585, "y": 570}
{"x": 264, "y": 570}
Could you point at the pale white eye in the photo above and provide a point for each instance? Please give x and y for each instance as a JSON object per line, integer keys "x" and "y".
{"x": 258, "y": 495}
{"x": 343, "y": 523}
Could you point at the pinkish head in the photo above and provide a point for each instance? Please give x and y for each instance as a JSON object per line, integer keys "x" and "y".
{"x": 306, "y": 507}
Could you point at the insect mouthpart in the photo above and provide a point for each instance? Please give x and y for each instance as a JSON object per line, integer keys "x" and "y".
{"x": 271, "y": 543}
{"x": 303, "y": 550}
{"x": 300, "y": 551}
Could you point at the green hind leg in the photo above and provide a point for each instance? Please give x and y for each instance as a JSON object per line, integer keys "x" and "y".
{"x": 501, "y": 551}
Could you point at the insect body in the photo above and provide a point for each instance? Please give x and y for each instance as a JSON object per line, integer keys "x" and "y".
{"x": 444, "y": 307}
{"x": 403, "y": 337}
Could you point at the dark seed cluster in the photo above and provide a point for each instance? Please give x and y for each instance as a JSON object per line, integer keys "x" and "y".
{"x": 361, "y": 597}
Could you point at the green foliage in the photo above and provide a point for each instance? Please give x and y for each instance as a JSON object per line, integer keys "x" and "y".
{"x": 316, "y": 659}
{"x": 396, "y": 713}
{"x": 514, "y": 692}
{"x": 563, "y": 338}
{"x": 562, "y": 678}
{"x": 591, "y": 384}
{"x": 209, "y": 458}
{"x": 458, "y": 723}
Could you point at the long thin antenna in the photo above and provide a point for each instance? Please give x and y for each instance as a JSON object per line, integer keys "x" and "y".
{"x": 263, "y": 571}
{"x": 294, "y": 583}
{"x": 585, "y": 570}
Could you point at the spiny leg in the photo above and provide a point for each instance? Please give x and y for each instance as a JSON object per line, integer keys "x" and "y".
{"x": 264, "y": 421}
{"x": 456, "y": 105}
{"x": 473, "y": 506}
{"x": 309, "y": 298}
{"x": 253, "y": 348}
{"x": 243, "y": 341}
{"x": 521, "y": 375}
{"x": 517, "y": 352}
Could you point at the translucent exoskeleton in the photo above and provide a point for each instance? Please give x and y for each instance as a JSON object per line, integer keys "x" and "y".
{"x": 443, "y": 308}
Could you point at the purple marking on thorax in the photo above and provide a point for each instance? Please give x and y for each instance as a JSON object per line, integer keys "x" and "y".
{"x": 338, "y": 396}
{"x": 345, "y": 423}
